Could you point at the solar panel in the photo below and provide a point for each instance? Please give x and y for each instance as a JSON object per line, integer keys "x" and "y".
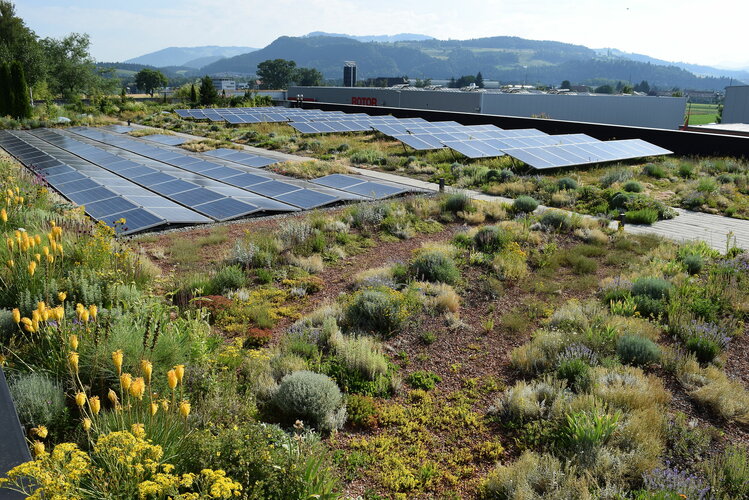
{"x": 196, "y": 196}
{"x": 135, "y": 220}
{"x": 307, "y": 198}
{"x": 338, "y": 181}
{"x": 109, "y": 206}
{"x": 375, "y": 190}
{"x": 91, "y": 195}
{"x": 420, "y": 142}
{"x": 273, "y": 188}
{"x": 226, "y": 208}
{"x": 170, "y": 140}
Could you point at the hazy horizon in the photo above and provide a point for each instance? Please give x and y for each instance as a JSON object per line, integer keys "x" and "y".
{"x": 123, "y": 31}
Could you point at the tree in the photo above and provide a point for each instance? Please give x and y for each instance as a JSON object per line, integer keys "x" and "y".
{"x": 276, "y": 73}
{"x": 6, "y": 90}
{"x": 465, "y": 81}
{"x": 565, "y": 85}
{"x": 193, "y": 95}
{"x": 70, "y": 66}
{"x": 148, "y": 80}
{"x": 208, "y": 93}
{"x": 308, "y": 77}
{"x": 479, "y": 80}
{"x": 20, "y": 100}
{"x": 19, "y": 43}
{"x": 452, "y": 83}
{"x": 643, "y": 87}
{"x": 604, "y": 89}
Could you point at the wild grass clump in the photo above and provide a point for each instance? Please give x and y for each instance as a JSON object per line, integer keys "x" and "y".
{"x": 434, "y": 266}
{"x": 655, "y": 171}
{"x": 313, "y": 398}
{"x": 524, "y": 204}
{"x": 491, "y": 239}
{"x": 576, "y": 373}
{"x": 533, "y": 475}
{"x": 226, "y": 279}
{"x": 633, "y": 187}
{"x": 637, "y": 351}
{"x": 555, "y": 220}
{"x": 628, "y": 388}
{"x": 458, "y": 202}
{"x": 382, "y": 311}
{"x": 643, "y": 216}
{"x": 362, "y": 354}
{"x": 526, "y": 401}
{"x": 712, "y": 388}
{"x": 567, "y": 183}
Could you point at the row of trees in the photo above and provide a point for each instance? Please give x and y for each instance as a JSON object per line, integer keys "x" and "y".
{"x": 467, "y": 80}
{"x": 15, "y": 99}
{"x": 280, "y": 73}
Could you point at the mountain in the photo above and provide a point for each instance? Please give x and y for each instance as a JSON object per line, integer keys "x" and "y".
{"x": 188, "y": 56}
{"x": 697, "y": 69}
{"x": 400, "y": 37}
{"x": 503, "y": 58}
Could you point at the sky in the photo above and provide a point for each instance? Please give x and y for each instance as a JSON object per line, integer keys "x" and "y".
{"x": 698, "y": 32}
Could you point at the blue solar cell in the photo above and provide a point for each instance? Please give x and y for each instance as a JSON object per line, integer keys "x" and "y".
{"x": 245, "y": 180}
{"x": 338, "y": 181}
{"x": 375, "y": 190}
{"x": 109, "y": 206}
{"x": 179, "y": 215}
{"x": 226, "y": 208}
{"x": 61, "y": 178}
{"x": 173, "y": 187}
{"x": 136, "y": 220}
{"x": 196, "y": 196}
{"x": 75, "y": 186}
{"x": 221, "y": 172}
{"x": 152, "y": 179}
{"x": 273, "y": 188}
{"x": 307, "y": 198}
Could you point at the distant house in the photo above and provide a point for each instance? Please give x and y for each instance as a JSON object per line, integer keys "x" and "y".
{"x": 579, "y": 88}
{"x": 224, "y": 84}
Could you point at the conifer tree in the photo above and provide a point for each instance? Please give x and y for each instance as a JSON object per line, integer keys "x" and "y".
{"x": 193, "y": 95}
{"x": 20, "y": 105}
{"x": 6, "y": 90}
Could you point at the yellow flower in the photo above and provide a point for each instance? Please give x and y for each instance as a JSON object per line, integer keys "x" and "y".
{"x": 179, "y": 370}
{"x": 138, "y": 387}
{"x": 147, "y": 368}
{"x": 40, "y": 431}
{"x": 95, "y": 405}
{"x": 50, "y": 259}
{"x": 38, "y": 257}
{"x": 138, "y": 430}
{"x": 38, "y": 448}
{"x": 184, "y": 409}
{"x": 113, "y": 397}
{"x": 92, "y": 310}
{"x": 38, "y": 239}
{"x": 10, "y": 243}
{"x": 171, "y": 377}
{"x": 10, "y": 263}
{"x": 80, "y": 399}
{"x": 45, "y": 250}
{"x": 117, "y": 360}
{"x": 59, "y": 313}
{"x": 32, "y": 268}
{"x": 3, "y": 215}
{"x": 86, "y": 424}
{"x": 73, "y": 359}
{"x": 165, "y": 404}
{"x": 126, "y": 380}
{"x": 16, "y": 315}
{"x": 73, "y": 340}
{"x": 62, "y": 296}
{"x": 84, "y": 315}
{"x": 26, "y": 321}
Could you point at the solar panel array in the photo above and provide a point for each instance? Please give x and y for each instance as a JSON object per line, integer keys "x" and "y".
{"x": 150, "y": 185}
{"x": 541, "y": 150}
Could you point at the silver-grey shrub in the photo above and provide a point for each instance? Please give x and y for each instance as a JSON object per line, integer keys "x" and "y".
{"x": 39, "y": 400}
{"x": 312, "y": 398}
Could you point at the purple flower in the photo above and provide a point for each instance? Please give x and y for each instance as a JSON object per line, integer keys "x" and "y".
{"x": 709, "y": 331}
{"x": 670, "y": 479}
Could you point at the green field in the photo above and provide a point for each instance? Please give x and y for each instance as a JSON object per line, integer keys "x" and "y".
{"x": 701, "y": 114}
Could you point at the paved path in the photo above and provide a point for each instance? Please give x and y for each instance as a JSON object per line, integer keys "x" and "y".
{"x": 687, "y": 226}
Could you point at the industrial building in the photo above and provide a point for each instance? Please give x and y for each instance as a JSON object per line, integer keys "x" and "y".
{"x": 226, "y": 84}
{"x": 736, "y": 105}
{"x": 349, "y": 74}
{"x": 639, "y": 111}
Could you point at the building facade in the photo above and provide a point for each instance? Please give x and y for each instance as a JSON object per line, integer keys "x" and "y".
{"x": 226, "y": 84}
{"x": 638, "y": 111}
{"x": 349, "y": 74}
{"x": 736, "y": 105}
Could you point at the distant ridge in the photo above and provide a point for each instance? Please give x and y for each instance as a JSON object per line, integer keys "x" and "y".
{"x": 193, "y": 57}
{"x": 400, "y": 37}
{"x": 503, "y": 58}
